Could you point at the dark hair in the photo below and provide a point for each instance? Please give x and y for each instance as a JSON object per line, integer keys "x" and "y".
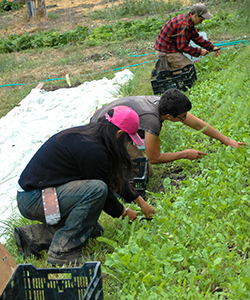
{"x": 174, "y": 102}
{"x": 120, "y": 163}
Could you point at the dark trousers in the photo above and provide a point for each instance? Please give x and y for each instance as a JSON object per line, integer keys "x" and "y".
{"x": 80, "y": 202}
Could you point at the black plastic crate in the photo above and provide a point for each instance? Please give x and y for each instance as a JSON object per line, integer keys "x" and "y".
{"x": 30, "y": 283}
{"x": 179, "y": 79}
{"x": 140, "y": 175}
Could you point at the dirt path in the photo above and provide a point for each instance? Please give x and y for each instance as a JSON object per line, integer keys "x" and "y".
{"x": 66, "y": 15}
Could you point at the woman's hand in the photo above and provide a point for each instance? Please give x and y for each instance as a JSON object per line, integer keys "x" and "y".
{"x": 145, "y": 207}
{"x": 132, "y": 215}
{"x": 147, "y": 210}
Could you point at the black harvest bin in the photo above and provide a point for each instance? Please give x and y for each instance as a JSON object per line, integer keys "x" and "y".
{"x": 31, "y": 283}
{"x": 140, "y": 174}
{"x": 179, "y": 79}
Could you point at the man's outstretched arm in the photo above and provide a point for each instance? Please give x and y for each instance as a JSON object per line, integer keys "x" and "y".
{"x": 152, "y": 147}
{"x": 210, "y": 131}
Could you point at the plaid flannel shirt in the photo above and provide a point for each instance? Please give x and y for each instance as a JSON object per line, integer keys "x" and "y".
{"x": 176, "y": 34}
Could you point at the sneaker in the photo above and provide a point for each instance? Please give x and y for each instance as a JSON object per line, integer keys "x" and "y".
{"x": 74, "y": 258}
{"x": 22, "y": 246}
{"x": 97, "y": 231}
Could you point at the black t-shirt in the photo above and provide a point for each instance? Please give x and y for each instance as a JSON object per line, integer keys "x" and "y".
{"x": 69, "y": 156}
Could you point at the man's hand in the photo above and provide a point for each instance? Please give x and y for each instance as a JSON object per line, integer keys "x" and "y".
{"x": 192, "y": 154}
{"x": 234, "y": 144}
{"x": 217, "y": 52}
{"x": 204, "y": 52}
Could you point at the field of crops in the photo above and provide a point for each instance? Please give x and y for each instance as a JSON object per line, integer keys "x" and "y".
{"x": 198, "y": 243}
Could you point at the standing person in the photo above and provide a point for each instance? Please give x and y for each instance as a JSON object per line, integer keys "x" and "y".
{"x": 172, "y": 106}
{"x": 174, "y": 37}
{"x": 84, "y": 167}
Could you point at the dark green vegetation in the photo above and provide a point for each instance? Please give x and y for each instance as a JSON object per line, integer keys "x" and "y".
{"x": 8, "y": 5}
{"x": 197, "y": 245}
{"x": 117, "y": 32}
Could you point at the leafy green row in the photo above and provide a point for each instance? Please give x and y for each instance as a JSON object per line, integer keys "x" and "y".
{"x": 197, "y": 245}
{"x": 116, "y": 32}
{"x": 17, "y": 42}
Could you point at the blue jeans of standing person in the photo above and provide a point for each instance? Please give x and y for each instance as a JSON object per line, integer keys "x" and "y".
{"x": 80, "y": 202}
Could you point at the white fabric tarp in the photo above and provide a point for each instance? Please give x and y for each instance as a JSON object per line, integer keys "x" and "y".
{"x": 192, "y": 58}
{"x": 40, "y": 115}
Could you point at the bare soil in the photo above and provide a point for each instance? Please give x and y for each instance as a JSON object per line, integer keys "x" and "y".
{"x": 66, "y": 16}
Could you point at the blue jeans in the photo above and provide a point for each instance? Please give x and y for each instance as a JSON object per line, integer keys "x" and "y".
{"x": 80, "y": 202}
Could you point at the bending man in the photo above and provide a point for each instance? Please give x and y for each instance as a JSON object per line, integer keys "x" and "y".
{"x": 172, "y": 106}
{"x": 174, "y": 38}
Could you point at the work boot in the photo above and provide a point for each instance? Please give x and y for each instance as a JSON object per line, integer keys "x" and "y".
{"x": 97, "y": 231}
{"x": 22, "y": 246}
{"x": 74, "y": 258}
{"x": 31, "y": 239}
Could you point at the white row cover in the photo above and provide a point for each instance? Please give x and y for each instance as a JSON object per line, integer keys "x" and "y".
{"x": 40, "y": 115}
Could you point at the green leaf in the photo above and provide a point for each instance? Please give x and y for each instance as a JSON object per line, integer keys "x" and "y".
{"x": 107, "y": 241}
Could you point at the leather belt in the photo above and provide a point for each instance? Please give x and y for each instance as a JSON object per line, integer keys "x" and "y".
{"x": 51, "y": 206}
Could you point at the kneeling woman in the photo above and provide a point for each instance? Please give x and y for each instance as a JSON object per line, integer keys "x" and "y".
{"x": 71, "y": 179}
